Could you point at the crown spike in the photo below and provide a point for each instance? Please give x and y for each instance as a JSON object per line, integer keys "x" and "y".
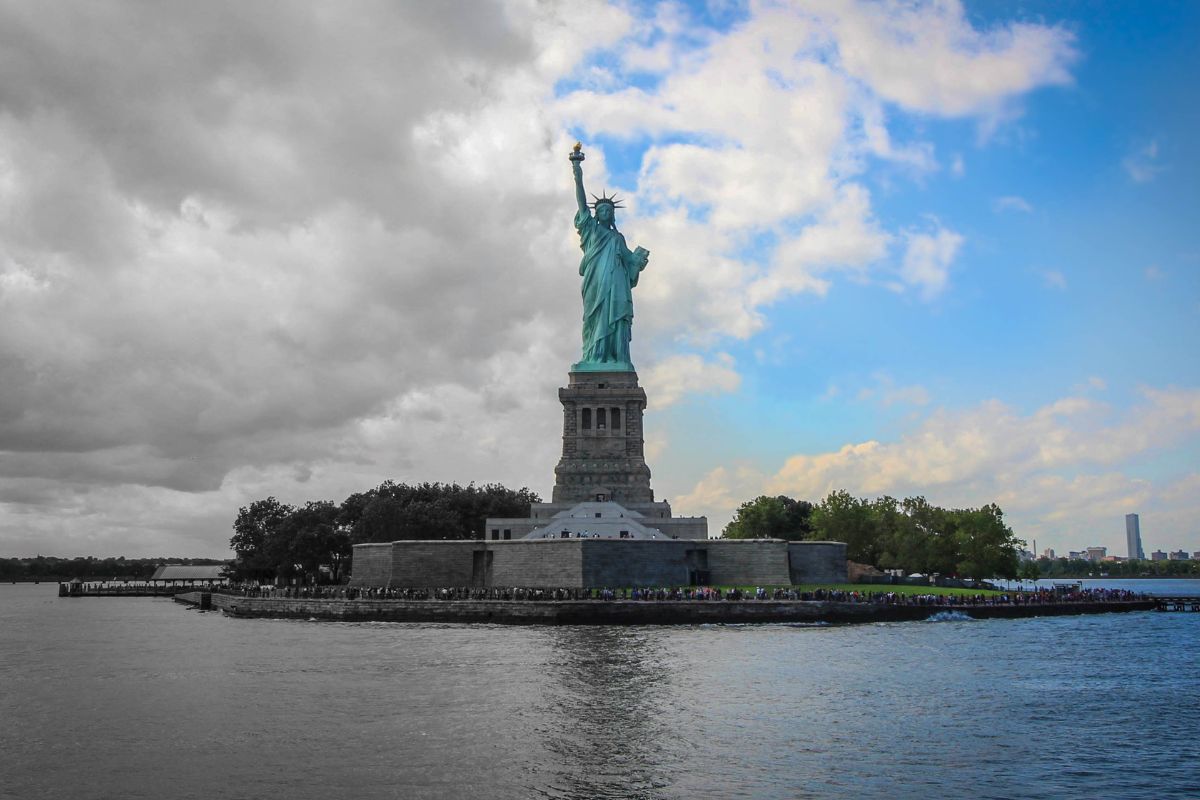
{"x": 613, "y": 201}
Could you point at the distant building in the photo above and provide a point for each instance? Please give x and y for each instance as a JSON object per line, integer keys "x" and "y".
{"x": 1048, "y": 553}
{"x": 1096, "y": 553}
{"x": 1178, "y": 555}
{"x": 1196, "y": 555}
{"x": 183, "y": 572}
{"x": 1075, "y": 555}
{"x": 1133, "y": 536}
{"x": 1158, "y": 555}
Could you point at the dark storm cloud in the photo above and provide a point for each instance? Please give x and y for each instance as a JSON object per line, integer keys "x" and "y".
{"x": 278, "y": 109}
{"x": 229, "y": 232}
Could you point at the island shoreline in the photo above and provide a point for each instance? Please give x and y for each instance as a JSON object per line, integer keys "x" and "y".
{"x": 626, "y": 612}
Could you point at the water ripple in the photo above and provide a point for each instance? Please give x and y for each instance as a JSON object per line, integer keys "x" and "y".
{"x": 135, "y": 698}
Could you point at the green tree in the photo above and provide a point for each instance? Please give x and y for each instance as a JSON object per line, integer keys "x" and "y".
{"x": 910, "y": 535}
{"x": 396, "y": 511}
{"x": 1030, "y": 571}
{"x": 987, "y": 547}
{"x": 899, "y": 543}
{"x": 350, "y": 512}
{"x": 778, "y": 517}
{"x": 255, "y": 539}
{"x": 407, "y": 515}
{"x": 937, "y": 532}
{"x": 843, "y": 518}
{"x": 308, "y": 539}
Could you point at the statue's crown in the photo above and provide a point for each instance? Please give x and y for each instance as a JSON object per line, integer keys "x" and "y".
{"x": 604, "y": 198}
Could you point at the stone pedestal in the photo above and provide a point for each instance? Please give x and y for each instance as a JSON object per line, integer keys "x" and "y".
{"x": 603, "y": 462}
{"x": 603, "y": 456}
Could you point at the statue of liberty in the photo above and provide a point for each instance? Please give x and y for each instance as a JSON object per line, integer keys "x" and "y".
{"x": 610, "y": 271}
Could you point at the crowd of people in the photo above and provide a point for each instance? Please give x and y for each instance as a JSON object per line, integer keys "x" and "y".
{"x": 119, "y": 588}
{"x": 687, "y": 593}
{"x": 1039, "y": 597}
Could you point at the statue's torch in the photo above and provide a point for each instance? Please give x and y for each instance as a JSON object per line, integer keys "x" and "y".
{"x": 576, "y": 153}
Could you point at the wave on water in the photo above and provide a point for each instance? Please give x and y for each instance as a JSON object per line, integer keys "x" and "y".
{"x": 950, "y": 616}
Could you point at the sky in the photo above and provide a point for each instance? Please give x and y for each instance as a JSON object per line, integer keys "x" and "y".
{"x": 278, "y": 249}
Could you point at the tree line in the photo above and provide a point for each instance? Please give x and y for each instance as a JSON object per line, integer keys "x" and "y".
{"x": 275, "y": 540}
{"x": 910, "y": 534}
{"x": 1137, "y": 568}
{"x": 90, "y": 568}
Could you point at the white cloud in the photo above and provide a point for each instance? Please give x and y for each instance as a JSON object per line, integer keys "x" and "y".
{"x": 845, "y": 237}
{"x": 906, "y": 395}
{"x": 764, "y": 129}
{"x": 928, "y": 57}
{"x": 240, "y": 264}
{"x": 299, "y": 252}
{"x": 917, "y": 156}
{"x": 1053, "y": 279}
{"x": 697, "y": 292}
{"x": 1053, "y": 471}
{"x": 1012, "y": 203}
{"x": 1153, "y": 273}
{"x": 884, "y": 390}
{"x": 1186, "y": 488}
{"x": 928, "y": 258}
{"x": 1142, "y": 165}
{"x": 669, "y": 380}
{"x": 718, "y": 494}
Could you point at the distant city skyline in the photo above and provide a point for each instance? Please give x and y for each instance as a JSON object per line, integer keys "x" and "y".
{"x": 1133, "y": 545}
{"x": 1133, "y": 536}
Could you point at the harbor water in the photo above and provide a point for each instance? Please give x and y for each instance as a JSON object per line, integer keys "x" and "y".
{"x": 143, "y": 698}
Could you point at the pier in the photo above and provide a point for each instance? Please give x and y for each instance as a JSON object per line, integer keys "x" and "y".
{"x": 140, "y": 589}
{"x": 1177, "y": 603}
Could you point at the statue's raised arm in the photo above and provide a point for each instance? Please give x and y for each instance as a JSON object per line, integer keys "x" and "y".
{"x": 576, "y": 158}
{"x": 610, "y": 271}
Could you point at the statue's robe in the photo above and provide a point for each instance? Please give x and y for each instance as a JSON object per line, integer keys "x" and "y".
{"x": 609, "y": 273}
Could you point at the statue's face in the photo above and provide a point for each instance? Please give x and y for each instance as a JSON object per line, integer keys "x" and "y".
{"x": 604, "y": 213}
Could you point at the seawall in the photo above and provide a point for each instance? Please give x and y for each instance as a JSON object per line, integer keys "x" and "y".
{"x": 624, "y": 612}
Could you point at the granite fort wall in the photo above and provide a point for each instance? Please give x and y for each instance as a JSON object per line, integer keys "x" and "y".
{"x": 545, "y": 562}
{"x": 433, "y": 563}
{"x": 816, "y": 562}
{"x": 738, "y": 562}
{"x": 691, "y": 528}
{"x": 609, "y": 562}
{"x": 371, "y": 564}
{"x": 597, "y": 563}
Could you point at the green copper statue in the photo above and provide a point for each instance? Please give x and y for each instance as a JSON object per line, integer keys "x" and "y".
{"x": 610, "y": 271}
